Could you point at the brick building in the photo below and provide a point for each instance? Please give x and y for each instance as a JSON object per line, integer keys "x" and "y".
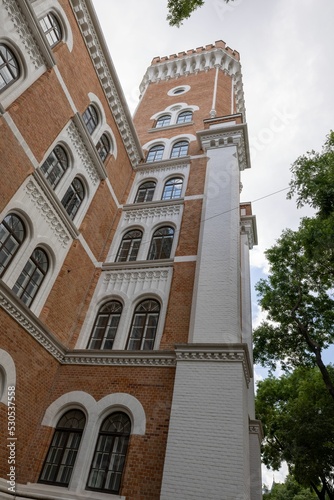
{"x": 125, "y": 345}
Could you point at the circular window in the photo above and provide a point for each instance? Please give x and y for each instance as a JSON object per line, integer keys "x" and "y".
{"x": 178, "y": 90}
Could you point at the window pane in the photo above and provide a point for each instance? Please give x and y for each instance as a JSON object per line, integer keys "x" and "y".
{"x": 144, "y": 326}
{"x": 185, "y": 117}
{"x": 73, "y": 197}
{"x": 106, "y": 324}
{"x": 161, "y": 244}
{"x": 179, "y": 149}
{"x": 145, "y": 192}
{"x": 103, "y": 147}
{"x": 90, "y": 118}
{"x": 129, "y": 247}
{"x": 163, "y": 121}
{"x": 172, "y": 189}
{"x": 155, "y": 153}
{"x": 55, "y": 166}
{"x": 51, "y": 28}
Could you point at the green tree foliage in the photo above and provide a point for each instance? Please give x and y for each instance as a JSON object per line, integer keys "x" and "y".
{"x": 298, "y": 422}
{"x": 298, "y": 294}
{"x": 179, "y": 10}
{"x": 290, "y": 490}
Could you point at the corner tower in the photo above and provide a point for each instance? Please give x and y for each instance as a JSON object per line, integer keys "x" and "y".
{"x": 191, "y": 124}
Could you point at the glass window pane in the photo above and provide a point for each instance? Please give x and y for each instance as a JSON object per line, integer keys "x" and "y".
{"x": 51, "y": 29}
{"x": 32, "y": 276}
{"x": 9, "y": 67}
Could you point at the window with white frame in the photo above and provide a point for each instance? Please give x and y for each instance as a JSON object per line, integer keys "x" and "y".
{"x": 55, "y": 165}
{"x": 32, "y": 276}
{"x": 144, "y": 326}
{"x": 129, "y": 246}
{"x": 9, "y": 67}
{"x": 51, "y": 28}
{"x": 105, "y": 326}
{"x": 155, "y": 153}
{"x": 110, "y": 454}
{"x": 161, "y": 244}
{"x": 91, "y": 118}
{"x": 12, "y": 234}
{"x": 163, "y": 121}
{"x": 185, "y": 117}
{"x": 145, "y": 192}
{"x": 62, "y": 453}
{"x": 73, "y": 197}
{"x": 103, "y": 147}
{"x": 172, "y": 189}
{"x": 179, "y": 149}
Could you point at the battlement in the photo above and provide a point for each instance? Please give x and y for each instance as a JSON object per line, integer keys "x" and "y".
{"x": 220, "y": 44}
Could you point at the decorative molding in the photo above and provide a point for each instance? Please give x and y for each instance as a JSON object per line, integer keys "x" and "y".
{"x": 48, "y": 212}
{"x": 137, "y": 215}
{"x": 235, "y": 135}
{"x": 84, "y": 156}
{"x": 230, "y": 353}
{"x": 25, "y": 32}
{"x": 168, "y": 165}
{"x": 93, "y": 37}
{"x": 248, "y": 227}
{"x": 119, "y": 277}
{"x": 193, "y": 62}
{"x": 31, "y": 324}
{"x": 255, "y": 427}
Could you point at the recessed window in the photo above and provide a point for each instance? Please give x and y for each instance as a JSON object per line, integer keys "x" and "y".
{"x": 144, "y": 326}
{"x": 145, "y": 192}
{"x": 60, "y": 459}
{"x": 9, "y": 67}
{"x": 185, "y": 117}
{"x": 73, "y": 197}
{"x": 161, "y": 244}
{"x": 12, "y": 234}
{"x": 155, "y": 153}
{"x": 179, "y": 149}
{"x": 55, "y": 166}
{"x": 32, "y": 276}
{"x": 90, "y": 118}
{"x": 129, "y": 246}
{"x": 51, "y": 29}
{"x": 178, "y": 91}
{"x": 105, "y": 326}
{"x": 103, "y": 147}
{"x": 163, "y": 121}
{"x": 172, "y": 189}
{"x": 110, "y": 454}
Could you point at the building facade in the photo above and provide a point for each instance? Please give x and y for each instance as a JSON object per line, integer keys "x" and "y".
{"x": 125, "y": 334}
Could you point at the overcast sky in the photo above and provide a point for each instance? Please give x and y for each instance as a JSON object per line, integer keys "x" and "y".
{"x": 286, "y": 49}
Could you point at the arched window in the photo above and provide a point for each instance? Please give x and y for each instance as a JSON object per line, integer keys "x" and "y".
{"x": 103, "y": 146}
{"x": 109, "y": 456}
{"x": 60, "y": 459}
{"x": 105, "y": 326}
{"x": 73, "y": 197}
{"x": 51, "y": 29}
{"x": 179, "y": 149}
{"x": 32, "y": 276}
{"x": 161, "y": 244}
{"x": 55, "y": 165}
{"x": 129, "y": 246}
{"x": 163, "y": 121}
{"x": 90, "y": 118}
{"x": 145, "y": 192}
{"x": 9, "y": 67}
{"x": 172, "y": 189}
{"x": 12, "y": 234}
{"x": 155, "y": 153}
{"x": 185, "y": 117}
{"x": 144, "y": 326}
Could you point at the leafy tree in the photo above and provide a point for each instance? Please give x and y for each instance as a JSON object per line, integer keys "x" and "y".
{"x": 298, "y": 422}
{"x": 179, "y": 10}
{"x": 298, "y": 294}
{"x": 290, "y": 490}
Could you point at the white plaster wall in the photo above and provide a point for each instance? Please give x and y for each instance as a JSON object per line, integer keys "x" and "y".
{"x": 255, "y": 467}
{"x": 216, "y": 301}
{"x": 207, "y": 426}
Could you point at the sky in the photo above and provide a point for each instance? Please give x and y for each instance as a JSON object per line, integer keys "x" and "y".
{"x": 286, "y": 51}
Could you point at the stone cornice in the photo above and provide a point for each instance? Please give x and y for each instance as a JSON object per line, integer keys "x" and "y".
{"x": 168, "y": 127}
{"x": 248, "y": 227}
{"x": 139, "y": 265}
{"x": 170, "y": 164}
{"x": 225, "y": 136}
{"x": 193, "y": 62}
{"x": 97, "y": 48}
{"x": 153, "y": 204}
{"x": 165, "y": 211}
{"x": 230, "y": 353}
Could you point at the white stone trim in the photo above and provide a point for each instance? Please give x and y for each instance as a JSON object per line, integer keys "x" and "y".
{"x": 97, "y": 48}
{"x": 174, "y": 110}
{"x": 185, "y": 88}
{"x": 168, "y": 144}
{"x": 8, "y": 372}
{"x": 44, "y": 7}
{"x": 24, "y": 145}
{"x": 248, "y": 227}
